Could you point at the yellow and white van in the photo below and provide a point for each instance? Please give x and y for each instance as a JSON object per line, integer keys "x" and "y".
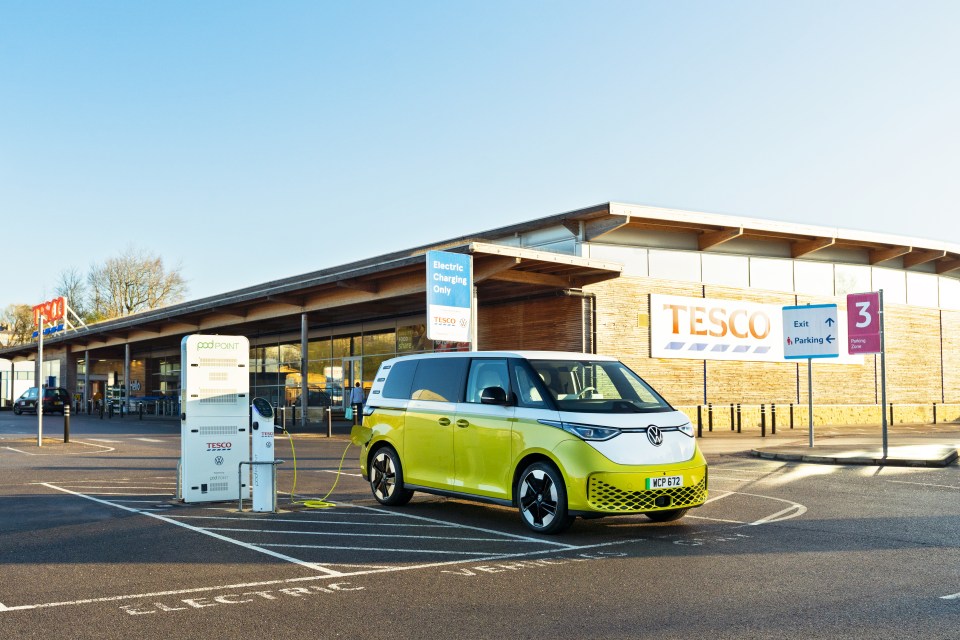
{"x": 557, "y": 435}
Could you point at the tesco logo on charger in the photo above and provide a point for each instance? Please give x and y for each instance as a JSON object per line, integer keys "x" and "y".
{"x": 219, "y": 446}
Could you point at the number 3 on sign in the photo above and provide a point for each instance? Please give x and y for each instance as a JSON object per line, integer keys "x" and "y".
{"x": 862, "y": 312}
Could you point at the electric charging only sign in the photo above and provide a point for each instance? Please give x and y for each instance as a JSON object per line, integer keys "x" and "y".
{"x": 449, "y": 296}
{"x": 810, "y": 331}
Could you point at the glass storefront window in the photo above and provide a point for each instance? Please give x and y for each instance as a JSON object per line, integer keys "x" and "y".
{"x": 341, "y": 347}
{"x": 318, "y": 349}
{"x": 413, "y": 339}
{"x": 377, "y": 343}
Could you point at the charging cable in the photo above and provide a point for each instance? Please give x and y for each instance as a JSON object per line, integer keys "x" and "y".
{"x": 322, "y": 502}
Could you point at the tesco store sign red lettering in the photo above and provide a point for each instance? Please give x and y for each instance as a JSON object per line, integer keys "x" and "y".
{"x": 51, "y": 310}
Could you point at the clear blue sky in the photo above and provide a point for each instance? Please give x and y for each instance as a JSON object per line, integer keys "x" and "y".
{"x": 249, "y": 141}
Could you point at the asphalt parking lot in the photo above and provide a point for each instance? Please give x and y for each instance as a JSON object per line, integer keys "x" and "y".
{"x": 93, "y": 541}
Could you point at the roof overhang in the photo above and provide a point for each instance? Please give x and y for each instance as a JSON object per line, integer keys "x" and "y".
{"x": 364, "y": 292}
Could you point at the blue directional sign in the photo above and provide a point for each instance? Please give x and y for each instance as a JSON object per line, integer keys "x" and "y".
{"x": 810, "y": 331}
{"x": 449, "y": 296}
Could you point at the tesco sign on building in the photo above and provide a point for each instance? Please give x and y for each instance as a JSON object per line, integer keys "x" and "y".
{"x": 716, "y": 329}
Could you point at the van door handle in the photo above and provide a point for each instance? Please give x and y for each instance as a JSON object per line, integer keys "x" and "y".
{"x": 444, "y": 422}
{"x": 463, "y": 423}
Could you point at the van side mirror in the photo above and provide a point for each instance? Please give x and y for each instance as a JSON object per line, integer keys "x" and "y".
{"x": 493, "y": 395}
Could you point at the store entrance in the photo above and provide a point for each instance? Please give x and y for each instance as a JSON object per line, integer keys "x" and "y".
{"x": 352, "y": 373}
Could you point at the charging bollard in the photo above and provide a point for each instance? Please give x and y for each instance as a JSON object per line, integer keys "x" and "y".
{"x": 262, "y": 456}
{"x": 66, "y": 423}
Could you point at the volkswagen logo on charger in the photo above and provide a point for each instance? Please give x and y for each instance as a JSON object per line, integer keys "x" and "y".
{"x": 654, "y": 435}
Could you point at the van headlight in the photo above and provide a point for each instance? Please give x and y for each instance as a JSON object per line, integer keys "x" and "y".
{"x": 686, "y": 429}
{"x": 584, "y": 431}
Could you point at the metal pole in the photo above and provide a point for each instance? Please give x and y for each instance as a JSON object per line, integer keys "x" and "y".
{"x": 40, "y": 383}
{"x": 66, "y": 423}
{"x": 810, "y": 396}
{"x": 763, "y": 421}
{"x": 710, "y": 416}
{"x": 773, "y": 419}
{"x": 330, "y": 421}
{"x": 883, "y": 375}
{"x": 699, "y": 421}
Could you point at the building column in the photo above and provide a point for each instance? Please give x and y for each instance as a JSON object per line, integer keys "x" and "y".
{"x": 126, "y": 375}
{"x": 87, "y": 365}
{"x": 303, "y": 370}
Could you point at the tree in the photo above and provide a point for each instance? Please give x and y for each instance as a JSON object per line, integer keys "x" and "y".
{"x": 18, "y": 318}
{"x": 73, "y": 286}
{"x": 134, "y": 281}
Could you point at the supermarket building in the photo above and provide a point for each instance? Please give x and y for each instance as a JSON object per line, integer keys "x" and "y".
{"x": 688, "y": 300}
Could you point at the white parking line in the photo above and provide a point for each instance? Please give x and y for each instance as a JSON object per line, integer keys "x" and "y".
{"x": 148, "y": 440}
{"x": 477, "y": 555}
{"x": 368, "y": 523}
{"x": 464, "y": 526}
{"x": 924, "y": 484}
{"x": 246, "y": 545}
{"x": 362, "y": 535}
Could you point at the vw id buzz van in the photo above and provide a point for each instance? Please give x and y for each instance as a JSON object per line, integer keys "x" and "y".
{"x": 555, "y": 435}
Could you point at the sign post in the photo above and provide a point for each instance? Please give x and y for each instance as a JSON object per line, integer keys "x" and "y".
{"x": 865, "y": 335}
{"x": 450, "y": 297}
{"x": 809, "y": 332}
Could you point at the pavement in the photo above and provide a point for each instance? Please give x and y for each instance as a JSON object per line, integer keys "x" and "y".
{"x": 908, "y": 445}
{"x": 919, "y": 445}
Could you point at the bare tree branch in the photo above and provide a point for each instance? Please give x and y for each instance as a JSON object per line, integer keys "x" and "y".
{"x": 132, "y": 282}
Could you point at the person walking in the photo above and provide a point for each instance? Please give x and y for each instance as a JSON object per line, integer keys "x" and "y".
{"x": 356, "y": 401}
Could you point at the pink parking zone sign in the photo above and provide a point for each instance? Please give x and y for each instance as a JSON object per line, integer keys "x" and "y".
{"x": 863, "y": 322}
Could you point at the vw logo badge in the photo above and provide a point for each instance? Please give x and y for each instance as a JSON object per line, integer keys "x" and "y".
{"x": 654, "y": 435}
{"x": 218, "y": 460}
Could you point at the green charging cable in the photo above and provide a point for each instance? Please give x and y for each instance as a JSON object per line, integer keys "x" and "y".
{"x": 322, "y": 502}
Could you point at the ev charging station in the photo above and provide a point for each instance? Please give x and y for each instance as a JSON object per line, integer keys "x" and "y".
{"x": 215, "y": 417}
{"x": 262, "y": 461}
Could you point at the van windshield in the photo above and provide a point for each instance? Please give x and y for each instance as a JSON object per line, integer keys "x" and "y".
{"x": 597, "y": 387}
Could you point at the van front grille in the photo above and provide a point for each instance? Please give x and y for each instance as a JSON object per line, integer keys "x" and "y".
{"x": 603, "y": 496}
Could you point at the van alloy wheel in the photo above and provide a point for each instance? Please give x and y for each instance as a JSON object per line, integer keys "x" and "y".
{"x": 542, "y": 499}
{"x": 386, "y": 478}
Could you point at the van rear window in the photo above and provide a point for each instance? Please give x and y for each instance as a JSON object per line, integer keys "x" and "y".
{"x": 400, "y": 380}
{"x": 439, "y": 379}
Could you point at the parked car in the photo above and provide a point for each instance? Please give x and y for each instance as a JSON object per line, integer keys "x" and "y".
{"x": 555, "y": 435}
{"x": 54, "y": 400}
